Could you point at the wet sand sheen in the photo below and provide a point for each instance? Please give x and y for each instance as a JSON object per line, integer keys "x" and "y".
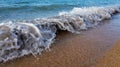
{"x": 72, "y": 50}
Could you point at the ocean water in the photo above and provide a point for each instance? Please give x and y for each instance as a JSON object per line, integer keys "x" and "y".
{"x": 30, "y": 26}
{"x": 30, "y": 9}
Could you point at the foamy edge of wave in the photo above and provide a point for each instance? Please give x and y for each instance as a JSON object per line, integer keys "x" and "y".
{"x": 34, "y": 36}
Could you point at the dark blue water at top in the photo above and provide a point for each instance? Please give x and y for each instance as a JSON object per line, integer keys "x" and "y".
{"x": 30, "y": 9}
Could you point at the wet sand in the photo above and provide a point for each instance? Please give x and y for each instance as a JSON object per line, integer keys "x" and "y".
{"x": 72, "y": 50}
{"x": 111, "y": 58}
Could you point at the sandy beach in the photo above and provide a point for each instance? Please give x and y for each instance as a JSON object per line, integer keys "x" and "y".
{"x": 92, "y": 48}
{"x": 111, "y": 58}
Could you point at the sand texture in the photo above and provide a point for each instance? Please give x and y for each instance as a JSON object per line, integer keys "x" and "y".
{"x": 111, "y": 58}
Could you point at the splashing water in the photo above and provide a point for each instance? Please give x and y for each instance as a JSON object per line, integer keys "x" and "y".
{"x": 34, "y": 36}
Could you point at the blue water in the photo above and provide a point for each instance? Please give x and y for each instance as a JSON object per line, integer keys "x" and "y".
{"x": 30, "y": 9}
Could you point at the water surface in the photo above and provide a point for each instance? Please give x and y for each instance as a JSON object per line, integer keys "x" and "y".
{"x": 30, "y": 9}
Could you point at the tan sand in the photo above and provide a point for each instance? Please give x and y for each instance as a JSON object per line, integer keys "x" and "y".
{"x": 111, "y": 58}
{"x": 72, "y": 50}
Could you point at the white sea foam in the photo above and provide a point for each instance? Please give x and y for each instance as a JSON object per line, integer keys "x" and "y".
{"x": 34, "y": 36}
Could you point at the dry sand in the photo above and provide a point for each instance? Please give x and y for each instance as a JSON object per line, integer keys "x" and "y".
{"x": 72, "y": 50}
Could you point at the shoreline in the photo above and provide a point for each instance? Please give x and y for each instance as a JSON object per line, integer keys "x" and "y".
{"x": 72, "y": 50}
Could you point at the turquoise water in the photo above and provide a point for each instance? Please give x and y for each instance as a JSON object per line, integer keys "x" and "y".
{"x": 30, "y": 9}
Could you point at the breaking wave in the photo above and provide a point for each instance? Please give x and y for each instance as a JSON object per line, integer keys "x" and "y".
{"x": 34, "y": 36}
